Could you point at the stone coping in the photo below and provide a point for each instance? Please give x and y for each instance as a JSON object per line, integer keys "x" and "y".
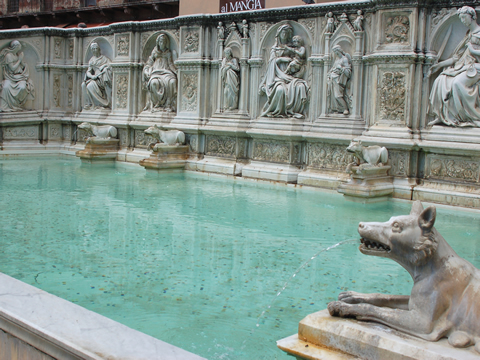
{"x": 64, "y": 330}
{"x": 337, "y": 338}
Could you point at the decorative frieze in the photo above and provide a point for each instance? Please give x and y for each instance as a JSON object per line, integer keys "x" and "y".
{"x": 272, "y": 151}
{"x": 397, "y": 29}
{"x": 399, "y": 161}
{"x": 328, "y": 157}
{"x": 57, "y": 48}
{"x": 191, "y": 41}
{"x": 189, "y": 92}
{"x": 57, "y": 91}
{"x": 70, "y": 90}
{"x": 453, "y": 168}
{"x": 123, "y": 45}
{"x": 21, "y": 132}
{"x": 223, "y": 146}
{"x": 392, "y": 92}
{"x": 122, "y": 91}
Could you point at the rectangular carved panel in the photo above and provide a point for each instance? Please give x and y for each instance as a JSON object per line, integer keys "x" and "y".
{"x": 267, "y": 150}
{"x": 453, "y": 168}
{"x": 223, "y": 146}
{"x": 20, "y": 132}
{"x": 328, "y": 157}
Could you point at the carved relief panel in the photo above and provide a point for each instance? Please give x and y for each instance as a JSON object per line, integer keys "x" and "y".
{"x": 276, "y": 151}
{"x": 400, "y": 163}
{"x": 223, "y": 146}
{"x": 190, "y": 43}
{"x": 328, "y": 156}
{"x": 121, "y": 91}
{"x": 397, "y": 29}
{"x": 392, "y": 92}
{"x": 20, "y": 132}
{"x": 58, "y": 48}
{"x": 57, "y": 90}
{"x": 122, "y": 45}
{"x": 452, "y": 168}
{"x": 189, "y": 89}
{"x": 55, "y": 131}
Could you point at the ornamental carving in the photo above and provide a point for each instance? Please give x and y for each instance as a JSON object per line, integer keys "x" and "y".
{"x": 55, "y": 131}
{"x": 271, "y": 151}
{"x": 439, "y": 15}
{"x": 57, "y": 48}
{"x": 123, "y": 136}
{"x": 309, "y": 25}
{"x": 398, "y": 160}
{"x": 57, "y": 92}
{"x": 70, "y": 90}
{"x": 328, "y": 157}
{"x": 189, "y": 92}
{"x": 396, "y": 29}
{"x": 143, "y": 139}
{"x": 70, "y": 48}
{"x": 30, "y": 132}
{"x": 392, "y": 96}
{"x": 264, "y": 28}
{"x": 191, "y": 41}
{"x": 122, "y": 92}
{"x": 123, "y": 45}
{"x": 221, "y": 146}
{"x": 67, "y": 132}
{"x": 454, "y": 168}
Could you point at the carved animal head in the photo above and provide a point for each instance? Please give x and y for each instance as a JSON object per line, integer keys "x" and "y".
{"x": 355, "y": 147}
{"x": 87, "y": 127}
{"x": 410, "y": 239}
{"x": 153, "y": 131}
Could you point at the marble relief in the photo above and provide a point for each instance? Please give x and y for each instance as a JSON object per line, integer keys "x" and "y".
{"x": 17, "y": 86}
{"x": 283, "y": 84}
{"x": 230, "y": 74}
{"x": 338, "y": 79}
{"x": 97, "y": 84}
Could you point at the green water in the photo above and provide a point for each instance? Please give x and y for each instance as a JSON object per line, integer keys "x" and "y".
{"x": 194, "y": 260}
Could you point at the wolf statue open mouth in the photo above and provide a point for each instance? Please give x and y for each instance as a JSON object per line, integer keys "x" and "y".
{"x": 445, "y": 298}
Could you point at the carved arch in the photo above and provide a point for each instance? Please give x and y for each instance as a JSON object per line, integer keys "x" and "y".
{"x": 105, "y": 47}
{"x": 151, "y": 42}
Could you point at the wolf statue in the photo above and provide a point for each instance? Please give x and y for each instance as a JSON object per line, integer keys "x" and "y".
{"x": 98, "y": 131}
{"x": 445, "y": 298}
{"x": 169, "y": 137}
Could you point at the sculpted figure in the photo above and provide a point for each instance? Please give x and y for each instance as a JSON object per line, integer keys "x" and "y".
{"x": 244, "y": 29}
{"x": 330, "y": 28}
{"x": 169, "y": 137}
{"x": 337, "y": 81}
{"x": 97, "y": 85}
{"x": 220, "y": 31}
{"x": 16, "y": 87}
{"x": 287, "y": 94}
{"x": 357, "y": 23}
{"x": 299, "y": 56}
{"x": 454, "y": 99}
{"x": 160, "y": 77}
{"x": 372, "y": 155}
{"x": 230, "y": 80}
{"x": 99, "y": 132}
{"x": 445, "y": 298}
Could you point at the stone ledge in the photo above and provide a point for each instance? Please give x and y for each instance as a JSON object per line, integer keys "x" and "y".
{"x": 64, "y": 330}
{"x": 365, "y": 340}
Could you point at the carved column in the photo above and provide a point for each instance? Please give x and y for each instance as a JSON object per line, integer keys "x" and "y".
{"x": 78, "y": 78}
{"x": 326, "y": 66}
{"x": 256, "y": 65}
{"x": 316, "y": 90}
{"x": 244, "y": 77}
{"x": 357, "y": 74}
{"x": 220, "y": 84}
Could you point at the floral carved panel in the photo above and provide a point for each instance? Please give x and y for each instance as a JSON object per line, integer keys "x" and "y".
{"x": 57, "y": 91}
{"x": 123, "y": 45}
{"x": 397, "y": 29}
{"x": 271, "y": 151}
{"x": 328, "y": 156}
{"x": 191, "y": 41}
{"x": 223, "y": 146}
{"x": 70, "y": 49}
{"x": 122, "y": 91}
{"x": 189, "y": 92}
{"x": 57, "y": 48}
{"x": 23, "y": 132}
{"x": 392, "y": 92}
{"x": 70, "y": 90}
{"x": 399, "y": 161}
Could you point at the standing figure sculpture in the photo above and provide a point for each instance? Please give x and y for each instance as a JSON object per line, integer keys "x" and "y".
{"x": 357, "y": 23}
{"x": 230, "y": 80}
{"x": 287, "y": 95}
{"x": 454, "y": 99}
{"x": 160, "y": 77}
{"x": 338, "y": 80}
{"x": 220, "y": 31}
{"x": 97, "y": 86}
{"x": 16, "y": 87}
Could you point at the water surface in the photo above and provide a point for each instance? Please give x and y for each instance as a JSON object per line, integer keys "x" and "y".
{"x": 191, "y": 259}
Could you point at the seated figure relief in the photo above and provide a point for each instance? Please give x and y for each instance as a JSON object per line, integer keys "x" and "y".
{"x": 287, "y": 92}
{"x": 16, "y": 86}
{"x": 97, "y": 85}
{"x": 160, "y": 78}
{"x": 230, "y": 80}
{"x": 338, "y": 81}
{"x": 454, "y": 99}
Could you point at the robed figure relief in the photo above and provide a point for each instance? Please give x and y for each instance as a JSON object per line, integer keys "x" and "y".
{"x": 160, "y": 78}
{"x": 454, "y": 99}
{"x": 286, "y": 90}
{"x": 16, "y": 87}
{"x": 338, "y": 79}
{"x": 97, "y": 85}
{"x": 230, "y": 80}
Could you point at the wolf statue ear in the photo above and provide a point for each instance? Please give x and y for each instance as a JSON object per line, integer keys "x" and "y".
{"x": 417, "y": 208}
{"x": 427, "y": 218}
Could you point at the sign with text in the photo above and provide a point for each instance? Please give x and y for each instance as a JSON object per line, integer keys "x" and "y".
{"x": 241, "y": 5}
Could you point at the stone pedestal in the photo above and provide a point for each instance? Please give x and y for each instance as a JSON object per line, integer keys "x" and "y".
{"x": 368, "y": 184}
{"x": 99, "y": 150}
{"x": 166, "y": 157}
{"x": 321, "y": 336}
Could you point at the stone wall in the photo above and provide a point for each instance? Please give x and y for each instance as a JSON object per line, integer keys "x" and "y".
{"x": 294, "y": 88}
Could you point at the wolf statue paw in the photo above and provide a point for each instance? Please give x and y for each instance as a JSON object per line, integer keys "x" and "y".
{"x": 339, "y": 308}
